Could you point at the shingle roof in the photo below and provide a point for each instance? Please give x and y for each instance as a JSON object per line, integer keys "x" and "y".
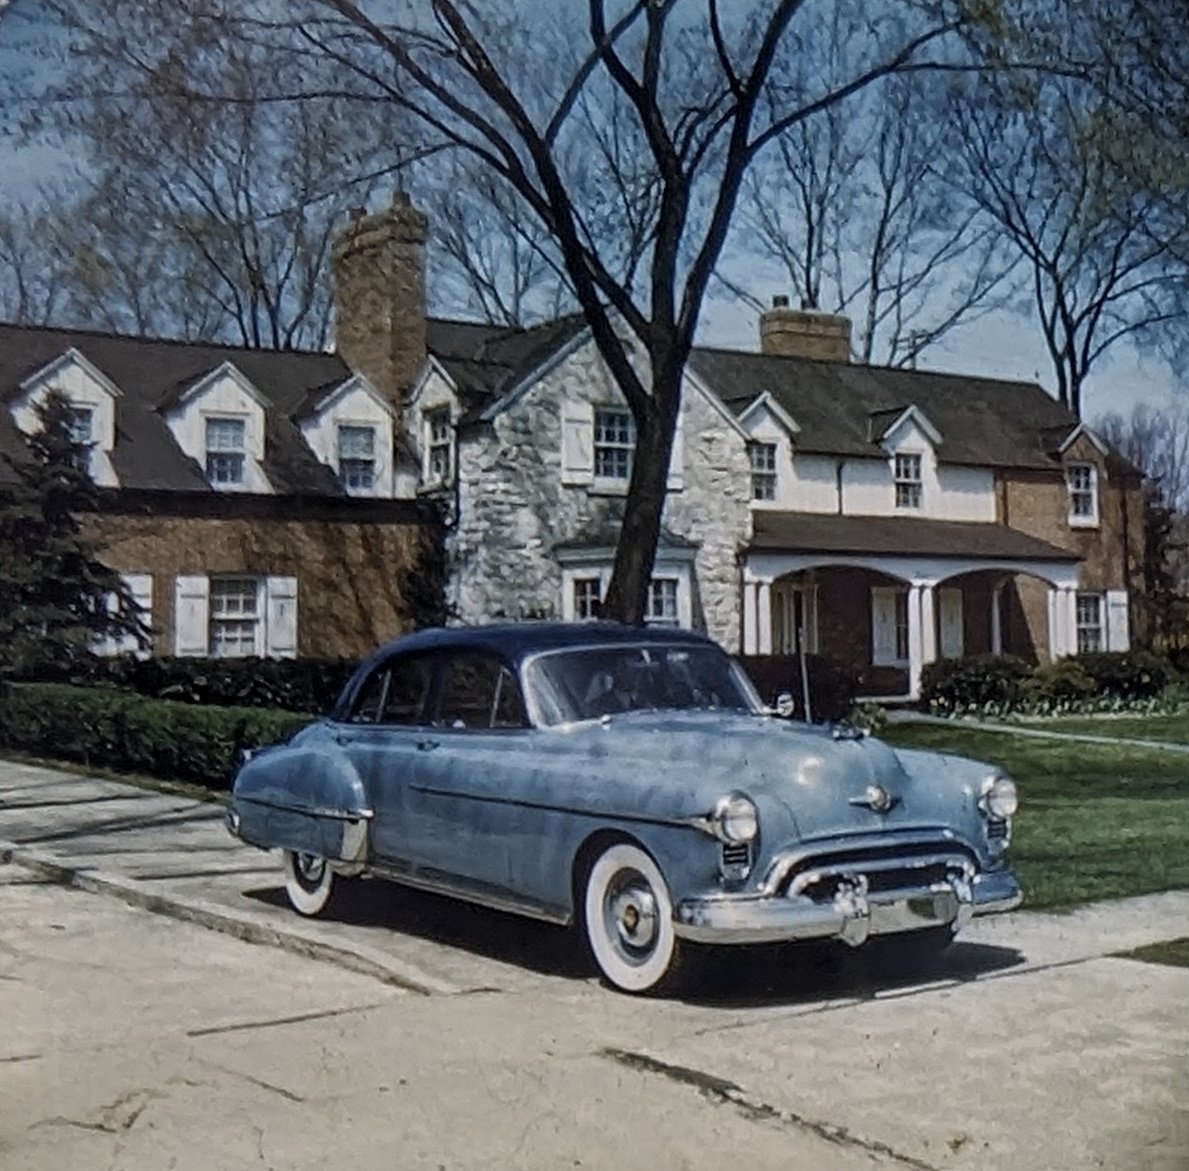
{"x": 810, "y": 532}
{"x": 982, "y": 421}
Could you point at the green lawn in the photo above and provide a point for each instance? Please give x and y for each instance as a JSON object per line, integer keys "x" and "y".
{"x": 1174, "y": 952}
{"x": 1174, "y": 728}
{"x": 1095, "y": 821}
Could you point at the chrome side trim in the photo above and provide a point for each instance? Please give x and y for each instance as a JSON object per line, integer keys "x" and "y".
{"x": 436, "y": 882}
{"x": 310, "y": 810}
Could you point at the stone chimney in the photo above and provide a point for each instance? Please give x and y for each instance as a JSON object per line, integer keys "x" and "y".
{"x": 378, "y": 266}
{"x": 804, "y": 333}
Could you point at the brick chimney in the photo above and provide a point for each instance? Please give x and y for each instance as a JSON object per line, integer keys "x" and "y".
{"x": 804, "y": 333}
{"x": 378, "y": 266}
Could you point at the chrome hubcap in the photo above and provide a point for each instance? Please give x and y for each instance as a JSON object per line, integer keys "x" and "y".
{"x": 310, "y": 868}
{"x": 631, "y": 911}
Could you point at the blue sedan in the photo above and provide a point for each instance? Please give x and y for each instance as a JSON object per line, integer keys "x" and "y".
{"x": 628, "y": 780}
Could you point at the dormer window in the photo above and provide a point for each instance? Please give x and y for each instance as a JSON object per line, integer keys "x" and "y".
{"x": 439, "y": 444}
{"x": 1082, "y": 482}
{"x": 225, "y": 452}
{"x": 357, "y": 458}
{"x": 80, "y": 427}
{"x": 907, "y": 476}
{"x": 763, "y": 470}
{"x": 614, "y": 444}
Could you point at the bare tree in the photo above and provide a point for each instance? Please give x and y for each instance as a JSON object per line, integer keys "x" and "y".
{"x": 1050, "y": 165}
{"x": 687, "y": 96}
{"x": 853, "y": 210}
{"x": 31, "y": 286}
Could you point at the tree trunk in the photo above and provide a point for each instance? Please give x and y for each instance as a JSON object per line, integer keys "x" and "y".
{"x": 627, "y": 594}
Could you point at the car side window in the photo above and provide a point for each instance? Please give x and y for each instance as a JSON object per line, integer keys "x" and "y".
{"x": 369, "y": 703}
{"x": 477, "y": 691}
{"x": 408, "y": 690}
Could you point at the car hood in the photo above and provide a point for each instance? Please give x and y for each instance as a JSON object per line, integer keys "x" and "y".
{"x": 815, "y": 780}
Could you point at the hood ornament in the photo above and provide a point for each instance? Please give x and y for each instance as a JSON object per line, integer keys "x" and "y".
{"x": 876, "y": 798}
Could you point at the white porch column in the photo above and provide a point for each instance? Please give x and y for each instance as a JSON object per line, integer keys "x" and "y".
{"x": 916, "y": 648}
{"x": 928, "y": 623}
{"x": 750, "y": 624}
{"x": 764, "y": 625}
{"x": 997, "y": 620}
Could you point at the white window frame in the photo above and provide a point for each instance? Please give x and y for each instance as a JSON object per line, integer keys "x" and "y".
{"x": 761, "y": 455}
{"x": 1083, "y": 496}
{"x": 1090, "y": 618}
{"x": 254, "y": 621}
{"x": 583, "y": 598}
{"x": 614, "y": 441}
{"x": 591, "y": 568}
{"x": 221, "y": 451}
{"x": 351, "y": 462}
{"x": 82, "y": 459}
{"x": 900, "y": 639}
{"x": 908, "y": 481}
{"x": 661, "y": 605}
{"x": 439, "y": 445}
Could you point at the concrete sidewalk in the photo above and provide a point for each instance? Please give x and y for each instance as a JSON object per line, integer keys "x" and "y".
{"x": 172, "y": 855}
{"x": 968, "y": 723}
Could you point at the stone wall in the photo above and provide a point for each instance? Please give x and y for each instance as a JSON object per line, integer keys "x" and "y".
{"x": 359, "y": 584}
{"x": 515, "y": 509}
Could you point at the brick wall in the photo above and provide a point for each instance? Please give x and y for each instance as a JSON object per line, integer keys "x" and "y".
{"x": 357, "y": 585}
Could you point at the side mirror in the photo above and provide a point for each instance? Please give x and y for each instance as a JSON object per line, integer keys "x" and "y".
{"x": 785, "y": 705}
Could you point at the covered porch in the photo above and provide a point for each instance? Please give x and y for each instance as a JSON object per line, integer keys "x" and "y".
{"x": 955, "y": 589}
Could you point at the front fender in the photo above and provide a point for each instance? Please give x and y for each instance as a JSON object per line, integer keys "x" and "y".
{"x": 307, "y": 798}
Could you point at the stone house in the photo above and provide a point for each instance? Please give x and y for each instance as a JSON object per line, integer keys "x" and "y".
{"x": 879, "y": 517}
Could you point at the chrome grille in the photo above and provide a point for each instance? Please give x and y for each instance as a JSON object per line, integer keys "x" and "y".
{"x": 996, "y": 830}
{"x": 893, "y": 867}
{"x": 736, "y": 855}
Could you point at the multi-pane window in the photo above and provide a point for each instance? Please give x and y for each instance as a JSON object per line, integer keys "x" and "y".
{"x": 763, "y": 470}
{"x": 357, "y": 458}
{"x": 662, "y": 602}
{"x": 614, "y": 444}
{"x": 907, "y": 475}
{"x": 440, "y": 443}
{"x": 1082, "y": 480}
{"x": 225, "y": 451}
{"x": 80, "y": 427}
{"x": 902, "y": 625}
{"x": 587, "y": 596}
{"x": 235, "y": 616}
{"x": 1089, "y": 619}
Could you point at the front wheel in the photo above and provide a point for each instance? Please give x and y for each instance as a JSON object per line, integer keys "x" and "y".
{"x": 628, "y": 921}
{"x": 310, "y": 883}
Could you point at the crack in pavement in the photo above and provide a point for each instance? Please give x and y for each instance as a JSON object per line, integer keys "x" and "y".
{"x": 120, "y": 1115}
{"x": 726, "y": 1092}
{"x": 276, "y": 1022}
{"x": 288, "y": 1095}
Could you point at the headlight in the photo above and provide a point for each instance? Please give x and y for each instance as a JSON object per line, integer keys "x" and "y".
{"x": 735, "y": 819}
{"x": 999, "y": 798}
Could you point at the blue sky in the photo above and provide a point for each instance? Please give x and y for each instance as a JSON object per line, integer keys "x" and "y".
{"x": 1002, "y": 345}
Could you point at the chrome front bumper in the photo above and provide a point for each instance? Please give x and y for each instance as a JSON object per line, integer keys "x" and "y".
{"x": 853, "y": 915}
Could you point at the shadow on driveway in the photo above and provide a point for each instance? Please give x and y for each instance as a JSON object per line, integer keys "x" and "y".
{"x": 725, "y": 977}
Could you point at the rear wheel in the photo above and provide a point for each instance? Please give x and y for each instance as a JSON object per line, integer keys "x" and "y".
{"x": 310, "y": 883}
{"x": 628, "y": 921}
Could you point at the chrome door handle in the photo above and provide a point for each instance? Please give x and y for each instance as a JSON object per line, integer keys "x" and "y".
{"x": 428, "y": 745}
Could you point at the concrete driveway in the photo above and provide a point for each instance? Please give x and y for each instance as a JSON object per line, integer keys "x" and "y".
{"x": 464, "y": 1038}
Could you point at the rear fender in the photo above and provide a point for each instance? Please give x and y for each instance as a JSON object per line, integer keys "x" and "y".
{"x": 305, "y": 798}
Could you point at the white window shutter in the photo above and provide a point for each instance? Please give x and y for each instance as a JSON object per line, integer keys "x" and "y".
{"x": 952, "y": 632}
{"x": 140, "y": 586}
{"x": 281, "y": 618}
{"x": 191, "y": 614}
{"x": 1118, "y": 633}
{"x": 883, "y": 626}
{"x": 677, "y": 459}
{"x": 577, "y": 443}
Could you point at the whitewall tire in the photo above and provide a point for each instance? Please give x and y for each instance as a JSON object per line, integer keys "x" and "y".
{"x": 627, "y": 916}
{"x": 309, "y": 883}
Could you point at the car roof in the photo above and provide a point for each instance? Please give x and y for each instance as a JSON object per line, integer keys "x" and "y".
{"x": 518, "y": 640}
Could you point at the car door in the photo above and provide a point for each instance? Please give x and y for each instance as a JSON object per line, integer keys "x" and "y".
{"x": 384, "y": 736}
{"x": 464, "y": 811}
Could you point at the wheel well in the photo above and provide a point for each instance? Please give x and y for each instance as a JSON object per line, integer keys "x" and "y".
{"x": 584, "y": 859}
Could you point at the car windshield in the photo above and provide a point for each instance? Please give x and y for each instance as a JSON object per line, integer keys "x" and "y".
{"x": 599, "y": 681}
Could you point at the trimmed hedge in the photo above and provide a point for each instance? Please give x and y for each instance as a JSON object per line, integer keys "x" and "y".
{"x": 831, "y": 687}
{"x": 977, "y": 683}
{"x": 119, "y": 730}
{"x": 1114, "y": 681}
{"x": 295, "y": 685}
